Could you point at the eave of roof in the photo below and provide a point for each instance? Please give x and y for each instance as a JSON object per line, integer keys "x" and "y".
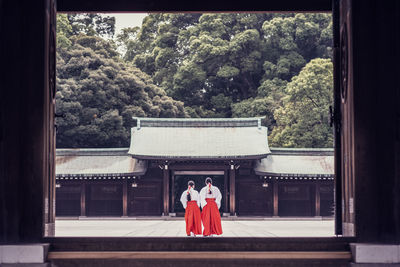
{"x": 292, "y": 165}
{"x": 99, "y": 165}
{"x": 233, "y": 157}
{"x": 92, "y": 151}
{"x": 302, "y": 151}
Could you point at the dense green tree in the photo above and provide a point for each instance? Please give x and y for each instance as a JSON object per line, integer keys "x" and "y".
{"x": 259, "y": 107}
{"x": 303, "y": 119}
{"x": 290, "y": 42}
{"x": 92, "y": 24}
{"x": 127, "y": 43}
{"x": 198, "y": 57}
{"x": 157, "y": 49}
{"x": 219, "y": 65}
{"x": 98, "y": 95}
{"x": 64, "y": 31}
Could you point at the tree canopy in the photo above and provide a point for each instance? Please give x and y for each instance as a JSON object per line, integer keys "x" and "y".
{"x": 198, "y": 58}
{"x": 194, "y": 65}
{"x": 92, "y": 24}
{"x": 303, "y": 119}
{"x": 98, "y": 94}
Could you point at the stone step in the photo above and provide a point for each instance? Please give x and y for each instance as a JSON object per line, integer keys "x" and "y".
{"x": 201, "y": 258}
{"x": 202, "y": 263}
{"x": 200, "y": 251}
{"x": 200, "y": 244}
{"x": 199, "y": 255}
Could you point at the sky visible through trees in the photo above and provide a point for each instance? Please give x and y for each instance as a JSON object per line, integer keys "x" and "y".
{"x": 217, "y": 65}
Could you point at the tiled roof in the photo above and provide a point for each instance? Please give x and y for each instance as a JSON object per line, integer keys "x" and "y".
{"x": 297, "y": 161}
{"x": 106, "y": 162}
{"x": 98, "y": 161}
{"x": 199, "y": 138}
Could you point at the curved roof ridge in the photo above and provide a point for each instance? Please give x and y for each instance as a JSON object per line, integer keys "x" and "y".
{"x": 302, "y": 151}
{"x": 92, "y": 151}
{"x": 199, "y": 119}
{"x": 198, "y": 122}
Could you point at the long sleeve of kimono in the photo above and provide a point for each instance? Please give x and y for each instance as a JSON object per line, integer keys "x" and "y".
{"x": 198, "y": 200}
{"x": 218, "y": 196}
{"x": 184, "y": 199}
{"x": 203, "y": 201}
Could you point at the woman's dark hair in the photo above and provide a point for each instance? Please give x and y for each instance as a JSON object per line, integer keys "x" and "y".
{"x": 209, "y": 181}
{"x": 191, "y": 184}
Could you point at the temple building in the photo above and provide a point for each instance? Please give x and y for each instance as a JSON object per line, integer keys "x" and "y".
{"x": 148, "y": 178}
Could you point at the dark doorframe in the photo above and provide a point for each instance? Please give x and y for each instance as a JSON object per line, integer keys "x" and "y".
{"x": 344, "y": 95}
{"x": 25, "y": 102}
{"x": 38, "y": 128}
{"x": 336, "y": 117}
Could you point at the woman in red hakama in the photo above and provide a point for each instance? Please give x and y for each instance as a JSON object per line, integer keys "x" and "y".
{"x": 191, "y": 202}
{"x": 210, "y": 197}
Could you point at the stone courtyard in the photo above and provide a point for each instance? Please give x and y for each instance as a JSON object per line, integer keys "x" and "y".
{"x": 268, "y": 227}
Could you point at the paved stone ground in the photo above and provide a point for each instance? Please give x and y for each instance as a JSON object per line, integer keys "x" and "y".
{"x": 176, "y": 228}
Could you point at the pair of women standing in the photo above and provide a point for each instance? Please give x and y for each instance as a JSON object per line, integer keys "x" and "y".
{"x": 209, "y": 199}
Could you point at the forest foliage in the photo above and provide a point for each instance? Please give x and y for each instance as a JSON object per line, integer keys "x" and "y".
{"x": 194, "y": 65}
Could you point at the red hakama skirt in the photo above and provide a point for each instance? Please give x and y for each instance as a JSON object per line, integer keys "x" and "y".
{"x": 211, "y": 218}
{"x": 193, "y": 218}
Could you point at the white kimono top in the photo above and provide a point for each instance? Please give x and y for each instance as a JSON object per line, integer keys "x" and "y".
{"x": 215, "y": 193}
{"x": 193, "y": 194}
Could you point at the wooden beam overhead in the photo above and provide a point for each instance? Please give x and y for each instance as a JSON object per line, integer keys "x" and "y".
{"x": 193, "y": 6}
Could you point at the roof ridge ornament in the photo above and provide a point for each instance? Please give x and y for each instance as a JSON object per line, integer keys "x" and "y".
{"x": 198, "y": 122}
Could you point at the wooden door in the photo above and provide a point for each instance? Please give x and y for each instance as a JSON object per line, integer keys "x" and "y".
{"x": 296, "y": 199}
{"x": 104, "y": 199}
{"x": 252, "y": 199}
{"x": 68, "y": 202}
{"x": 145, "y": 199}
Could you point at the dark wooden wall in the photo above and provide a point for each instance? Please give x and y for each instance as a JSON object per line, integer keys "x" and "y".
{"x": 252, "y": 199}
{"x": 376, "y": 89}
{"x": 146, "y": 198}
{"x": 24, "y": 127}
{"x": 104, "y": 198}
{"x": 296, "y": 199}
{"x": 68, "y": 199}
